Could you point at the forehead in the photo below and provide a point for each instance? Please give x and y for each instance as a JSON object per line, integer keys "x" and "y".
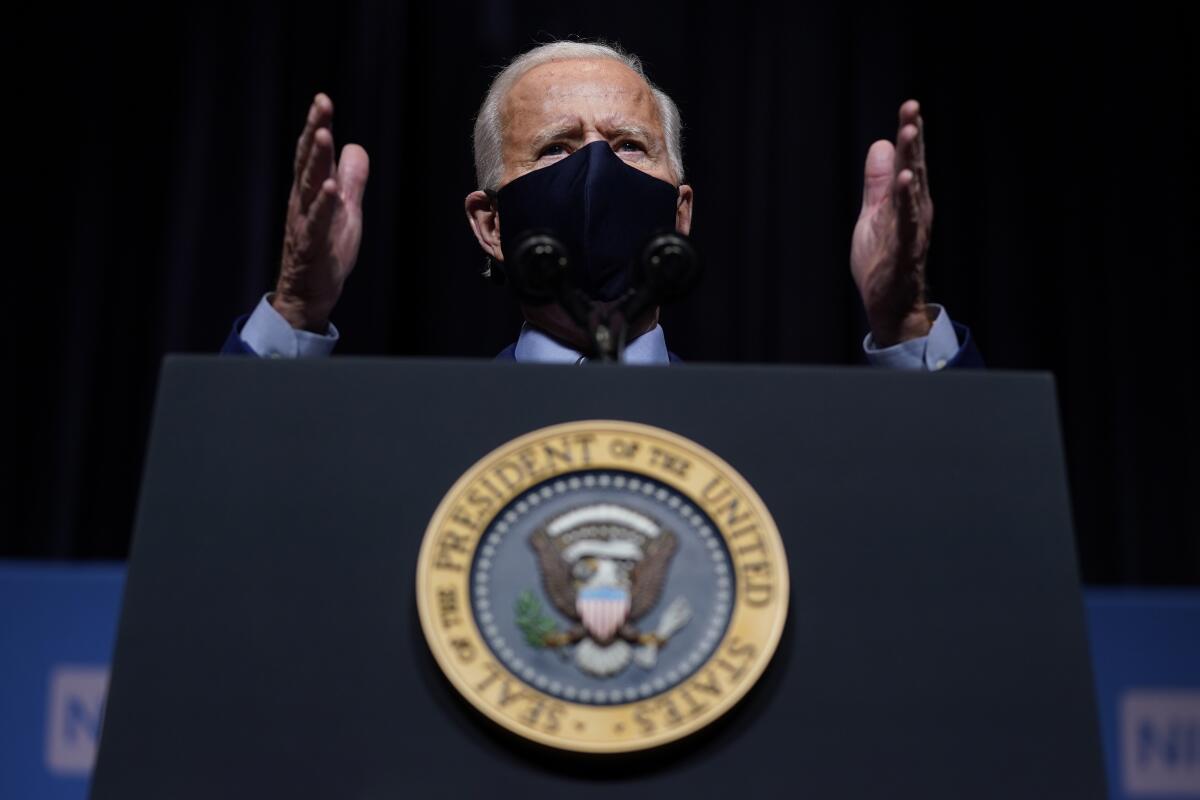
{"x": 591, "y": 90}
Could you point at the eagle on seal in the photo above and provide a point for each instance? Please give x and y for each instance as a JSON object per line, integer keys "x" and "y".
{"x": 604, "y": 567}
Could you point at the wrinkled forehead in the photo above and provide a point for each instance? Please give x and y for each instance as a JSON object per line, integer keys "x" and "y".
{"x": 594, "y": 92}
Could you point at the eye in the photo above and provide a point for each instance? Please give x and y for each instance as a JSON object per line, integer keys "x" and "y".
{"x": 552, "y": 150}
{"x": 629, "y": 146}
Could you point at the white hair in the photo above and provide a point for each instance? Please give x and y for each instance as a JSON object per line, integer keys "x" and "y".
{"x": 489, "y": 151}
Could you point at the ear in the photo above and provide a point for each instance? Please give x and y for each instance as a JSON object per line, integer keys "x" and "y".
{"x": 683, "y": 210}
{"x": 485, "y": 222}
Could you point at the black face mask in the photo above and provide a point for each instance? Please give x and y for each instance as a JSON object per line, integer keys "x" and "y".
{"x": 601, "y": 208}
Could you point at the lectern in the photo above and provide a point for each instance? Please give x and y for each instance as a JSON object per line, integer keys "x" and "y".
{"x": 273, "y": 642}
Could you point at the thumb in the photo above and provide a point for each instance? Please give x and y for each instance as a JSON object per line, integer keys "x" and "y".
{"x": 877, "y": 173}
{"x": 353, "y": 169}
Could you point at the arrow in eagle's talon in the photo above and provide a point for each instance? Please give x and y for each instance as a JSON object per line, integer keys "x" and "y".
{"x": 675, "y": 617}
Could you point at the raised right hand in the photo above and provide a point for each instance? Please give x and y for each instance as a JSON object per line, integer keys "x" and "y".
{"x": 324, "y": 223}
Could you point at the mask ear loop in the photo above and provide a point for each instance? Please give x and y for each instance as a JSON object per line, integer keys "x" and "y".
{"x": 493, "y": 270}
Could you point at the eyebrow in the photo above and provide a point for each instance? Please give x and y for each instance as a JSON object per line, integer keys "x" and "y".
{"x": 560, "y": 131}
{"x": 630, "y": 130}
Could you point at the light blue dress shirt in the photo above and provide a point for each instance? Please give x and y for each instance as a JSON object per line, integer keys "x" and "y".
{"x": 268, "y": 334}
{"x": 535, "y": 347}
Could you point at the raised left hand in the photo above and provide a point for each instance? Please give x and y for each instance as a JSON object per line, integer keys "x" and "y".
{"x": 891, "y": 237}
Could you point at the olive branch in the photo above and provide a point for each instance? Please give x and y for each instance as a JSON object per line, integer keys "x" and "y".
{"x": 535, "y": 625}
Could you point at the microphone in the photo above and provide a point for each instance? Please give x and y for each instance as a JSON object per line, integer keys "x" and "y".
{"x": 666, "y": 270}
{"x": 540, "y": 267}
{"x": 669, "y": 266}
{"x": 541, "y": 274}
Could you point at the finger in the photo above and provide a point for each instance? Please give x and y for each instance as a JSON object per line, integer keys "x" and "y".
{"x": 918, "y": 157}
{"x": 352, "y": 172}
{"x": 320, "y": 115}
{"x": 321, "y": 214}
{"x": 906, "y": 201}
{"x": 906, "y": 139}
{"x": 318, "y": 168}
{"x": 909, "y": 111}
{"x": 910, "y": 141}
{"x": 877, "y": 173}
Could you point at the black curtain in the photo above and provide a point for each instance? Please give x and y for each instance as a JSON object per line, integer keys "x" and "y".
{"x": 154, "y": 161}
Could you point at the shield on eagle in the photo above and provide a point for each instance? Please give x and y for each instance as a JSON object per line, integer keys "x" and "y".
{"x": 602, "y": 610}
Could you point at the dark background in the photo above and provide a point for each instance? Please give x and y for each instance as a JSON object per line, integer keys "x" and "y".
{"x": 154, "y": 157}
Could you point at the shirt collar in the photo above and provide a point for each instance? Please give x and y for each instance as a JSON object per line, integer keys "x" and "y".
{"x": 533, "y": 346}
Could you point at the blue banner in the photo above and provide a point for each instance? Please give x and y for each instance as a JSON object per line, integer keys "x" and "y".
{"x": 58, "y": 623}
{"x": 57, "y": 627}
{"x": 1146, "y": 658}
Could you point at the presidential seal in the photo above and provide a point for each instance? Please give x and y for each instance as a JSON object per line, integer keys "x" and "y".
{"x": 602, "y": 586}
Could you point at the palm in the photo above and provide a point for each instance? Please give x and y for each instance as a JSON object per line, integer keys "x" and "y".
{"x": 345, "y": 233}
{"x": 324, "y": 222}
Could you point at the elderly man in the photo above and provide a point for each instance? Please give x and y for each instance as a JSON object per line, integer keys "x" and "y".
{"x": 578, "y": 110}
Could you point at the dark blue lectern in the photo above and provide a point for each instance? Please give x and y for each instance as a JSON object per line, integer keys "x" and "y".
{"x": 269, "y": 644}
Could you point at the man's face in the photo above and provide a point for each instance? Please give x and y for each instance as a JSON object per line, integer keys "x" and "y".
{"x": 557, "y": 108}
{"x": 551, "y": 112}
